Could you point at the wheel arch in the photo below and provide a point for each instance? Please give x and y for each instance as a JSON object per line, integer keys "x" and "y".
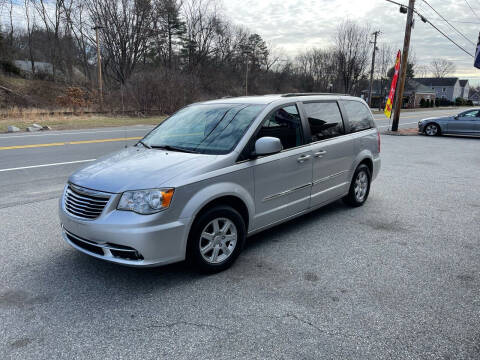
{"x": 440, "y": 130}
{"x": 229, "y": 194}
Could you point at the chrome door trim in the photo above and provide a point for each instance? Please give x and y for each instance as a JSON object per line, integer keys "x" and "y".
{"x": 316, "y": 182}
{"x": 286, "y": 192}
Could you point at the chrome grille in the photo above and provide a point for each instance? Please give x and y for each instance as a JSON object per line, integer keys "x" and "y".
{"x": 84, "y": 203}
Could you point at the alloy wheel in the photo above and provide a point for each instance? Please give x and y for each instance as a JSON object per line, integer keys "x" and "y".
{"x": 361, "y": 186}
{"x": 431, "y": 130}
{"x": 218, "y": 240}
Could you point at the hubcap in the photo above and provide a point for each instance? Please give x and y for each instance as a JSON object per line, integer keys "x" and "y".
{"x": 361, "y": 186}
{"x": 431, "y": 130}
{"x": 218, "y": 240}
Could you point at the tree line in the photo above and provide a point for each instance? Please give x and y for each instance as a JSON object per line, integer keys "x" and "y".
{"x": 162, "y": 54}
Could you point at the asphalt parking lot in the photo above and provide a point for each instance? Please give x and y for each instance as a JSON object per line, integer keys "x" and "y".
{"x": 395, "y": 279}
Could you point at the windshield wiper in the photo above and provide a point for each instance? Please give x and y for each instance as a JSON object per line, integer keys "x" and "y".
{"x": 147, "y": 146}
{"x": 173, "y": 148}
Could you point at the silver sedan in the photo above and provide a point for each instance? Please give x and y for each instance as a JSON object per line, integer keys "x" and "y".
{"x": 465, "y": 123}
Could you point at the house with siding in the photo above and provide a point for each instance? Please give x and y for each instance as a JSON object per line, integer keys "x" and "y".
{"x": 448, "y": 88}
{"x": 413, "y": 93}
{"x": 465, "y": 89}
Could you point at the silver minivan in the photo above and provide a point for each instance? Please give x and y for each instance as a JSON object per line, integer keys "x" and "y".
{"x": 218, "y": 171}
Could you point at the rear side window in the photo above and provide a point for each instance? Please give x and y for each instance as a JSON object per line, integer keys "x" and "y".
{"x": 324, "y": 119}
{"x": 359, "y": 116}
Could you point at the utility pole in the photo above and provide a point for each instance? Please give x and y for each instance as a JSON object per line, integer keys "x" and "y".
{"x": 403, "y": 69}
{"x": 375, "y": 34}
{"x": 99, "y": 65}
{"x": 246, "y": 74}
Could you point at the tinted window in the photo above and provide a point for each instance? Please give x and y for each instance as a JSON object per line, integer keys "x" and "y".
{"x": 208, "y": 129}
{"x": 285, "y": 124}
{"x": 471, "y": 113}
{"x": 325, "y": 120}
{"x": 359, "y": 116}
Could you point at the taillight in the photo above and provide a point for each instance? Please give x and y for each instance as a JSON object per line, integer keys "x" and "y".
{"x": 378, "y": 140}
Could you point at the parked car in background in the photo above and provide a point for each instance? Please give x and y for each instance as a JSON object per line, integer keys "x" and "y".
{"x": 215, "y": 172}
{"x": 465, "y": 123}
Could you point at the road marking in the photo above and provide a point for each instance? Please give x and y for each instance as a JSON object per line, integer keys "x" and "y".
{"x": 69, "y": 143}
{"x": 386, "y": 126}
{"x": 76, "y": 132}
{"x": 47, "y": 165}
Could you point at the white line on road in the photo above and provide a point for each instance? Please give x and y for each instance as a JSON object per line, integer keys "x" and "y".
{"x": 47, "y": 165}
{"x": 400, "y": 124}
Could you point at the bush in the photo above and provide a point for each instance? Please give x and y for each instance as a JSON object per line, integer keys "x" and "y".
{"x": 75, "y": 98}
{"x": 469, "y": 103}
{"x": 459, "y": 101}
{"x": 9, "y": 68}
{"x": 432, "y": 103}
{"x": 422, "y": 102}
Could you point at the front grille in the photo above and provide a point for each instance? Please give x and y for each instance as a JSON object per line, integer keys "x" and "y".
{"x": 117, "y": 251}
{"x": 84, "y": 203}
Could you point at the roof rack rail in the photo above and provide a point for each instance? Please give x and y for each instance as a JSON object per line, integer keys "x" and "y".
{"x": 311, "y": 94}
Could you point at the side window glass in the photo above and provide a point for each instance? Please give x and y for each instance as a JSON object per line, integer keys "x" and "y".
{"x": 359, "y": 116}
{"x": 470, "y": 114}
{"x": 325, "y": 120}
{"x": 285, "y": 124}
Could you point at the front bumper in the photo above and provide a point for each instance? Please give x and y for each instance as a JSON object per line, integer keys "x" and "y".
{"x": 127, "y": 238}
{"x": 421, "y": 127}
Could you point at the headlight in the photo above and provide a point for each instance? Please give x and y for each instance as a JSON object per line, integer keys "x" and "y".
{"x": 146, "y": 201}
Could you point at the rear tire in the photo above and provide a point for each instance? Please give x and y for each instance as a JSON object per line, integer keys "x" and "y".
{"x": 432, "y": 130}
{"x": 216, "y": 239}
{"x": 360, "y": 186}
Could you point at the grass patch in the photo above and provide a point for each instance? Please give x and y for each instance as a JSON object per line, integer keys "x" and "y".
{"x": 67, "y": 122}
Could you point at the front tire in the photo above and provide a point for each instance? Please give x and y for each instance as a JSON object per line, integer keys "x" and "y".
{"x": 216, "y": 239}
{"x": 432, "y": 130}
{"x": 360, "y": 187}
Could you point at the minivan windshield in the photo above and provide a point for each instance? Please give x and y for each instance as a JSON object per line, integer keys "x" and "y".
{"x": 207, "y": 129}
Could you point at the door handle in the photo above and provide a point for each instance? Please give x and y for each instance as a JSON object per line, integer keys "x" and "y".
{"x": 320, "y": 153}
{"x": 303, "y": 158}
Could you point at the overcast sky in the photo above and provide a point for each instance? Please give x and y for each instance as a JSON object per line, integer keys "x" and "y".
{"x": 297, "y": 25}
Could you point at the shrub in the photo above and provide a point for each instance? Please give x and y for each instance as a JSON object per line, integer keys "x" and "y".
{"x": 422, "y": 102}
{"x": 75, "y": 97}
{"x": 459, "y": 101}
{"x": 9, "y": 68}
{"x": 469, "y": 103}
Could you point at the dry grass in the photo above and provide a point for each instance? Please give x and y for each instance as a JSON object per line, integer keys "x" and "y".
{"x": 22, "y": 118}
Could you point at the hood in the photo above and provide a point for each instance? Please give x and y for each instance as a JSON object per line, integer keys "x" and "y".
{"x": 445, "y": 118}
{"x": 138, "y": 168}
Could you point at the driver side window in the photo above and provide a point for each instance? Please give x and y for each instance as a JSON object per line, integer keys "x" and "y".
{"x": 471, "y": 114}
{"x": 284, "y": 124}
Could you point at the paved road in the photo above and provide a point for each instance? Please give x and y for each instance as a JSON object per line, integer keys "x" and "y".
{"x": 398, "y": 278}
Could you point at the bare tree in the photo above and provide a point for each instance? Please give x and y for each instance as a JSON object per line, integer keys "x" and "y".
{"x": 79, "y": 25}
{"x": 352, "y": 50}
{"x": 202, "y": 24}
{"x": 422, "y": 71}
{"x": 440, "y": 68}
{"x": 30, "y": 30}
{"x": 126, "y": 27}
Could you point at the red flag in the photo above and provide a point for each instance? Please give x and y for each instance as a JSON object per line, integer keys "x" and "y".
{"x": 391, "y": 95}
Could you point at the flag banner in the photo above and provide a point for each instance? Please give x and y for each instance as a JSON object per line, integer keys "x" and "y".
{"x": 477, "y": 56}
{"x": 391, "y": 95}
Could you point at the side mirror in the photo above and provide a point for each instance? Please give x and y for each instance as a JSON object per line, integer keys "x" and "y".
{"x": 456, "y": 117}
{"x": 268, "y": 145}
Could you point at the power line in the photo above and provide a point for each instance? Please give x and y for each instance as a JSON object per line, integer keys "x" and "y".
{"x": 474, "y": 13}
{"x": 453, "y": 27}
{"x": 424, "y": 19}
